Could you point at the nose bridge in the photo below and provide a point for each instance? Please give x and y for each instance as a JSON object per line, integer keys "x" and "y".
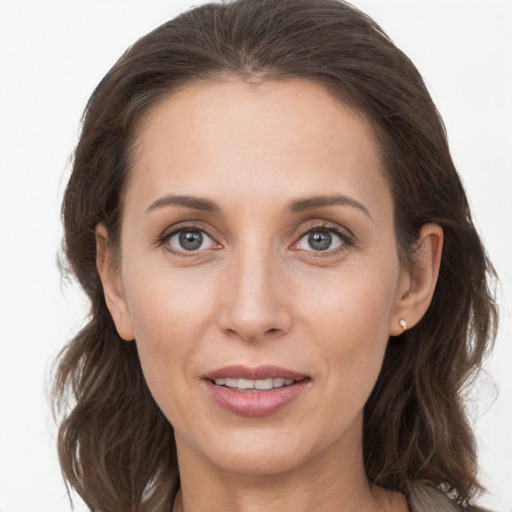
{"x": 254, "y": 307}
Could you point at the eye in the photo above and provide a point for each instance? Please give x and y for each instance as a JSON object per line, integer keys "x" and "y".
{"x": 321, "y": 239}
{"x": 190, "y": 240}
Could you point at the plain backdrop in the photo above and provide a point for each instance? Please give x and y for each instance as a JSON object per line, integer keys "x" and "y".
{"x": 53, "y": 53}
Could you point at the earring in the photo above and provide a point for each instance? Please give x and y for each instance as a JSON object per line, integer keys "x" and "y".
{"x": 403, "y": 324}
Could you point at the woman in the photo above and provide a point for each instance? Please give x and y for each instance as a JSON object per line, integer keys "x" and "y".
{"x": 288, "y": 293}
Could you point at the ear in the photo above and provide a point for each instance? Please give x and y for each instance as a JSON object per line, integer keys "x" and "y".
{"x": 110, "y": 277}
{"x": 418, "y": 282}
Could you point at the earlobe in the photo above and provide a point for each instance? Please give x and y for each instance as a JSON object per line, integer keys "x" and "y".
{"x": 419, "y": 284}
{"x": 112, "y": 285}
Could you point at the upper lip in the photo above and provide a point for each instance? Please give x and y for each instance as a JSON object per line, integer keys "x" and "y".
{"x": 255, "y": 373}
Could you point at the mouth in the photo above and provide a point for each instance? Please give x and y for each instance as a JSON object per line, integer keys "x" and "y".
{"x": 254, "y": 386}
{"x": 255, "y": 391}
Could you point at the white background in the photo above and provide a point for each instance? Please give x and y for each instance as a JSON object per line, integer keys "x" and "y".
{"x": 53, "y": 53}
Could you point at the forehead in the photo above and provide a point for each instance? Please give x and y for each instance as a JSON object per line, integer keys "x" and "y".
{"x": 266, "y": 138}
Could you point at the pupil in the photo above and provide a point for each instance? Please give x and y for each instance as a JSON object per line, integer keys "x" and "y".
{"x": 191, "y": 240}
{"x": 320, "y": 240}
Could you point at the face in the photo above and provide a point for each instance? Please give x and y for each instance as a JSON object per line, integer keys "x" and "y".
{"x": 259, "y": 272}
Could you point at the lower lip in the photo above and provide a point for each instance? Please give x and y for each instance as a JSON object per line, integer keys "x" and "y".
{"x": 259, "y": 403}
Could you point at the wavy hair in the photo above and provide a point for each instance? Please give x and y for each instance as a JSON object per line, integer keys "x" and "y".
{"x": 116, "y": 447}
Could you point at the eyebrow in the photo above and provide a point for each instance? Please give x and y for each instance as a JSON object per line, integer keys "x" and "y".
{"x": 296, "y": 206}
{"x": 311, "y": 203}
{"x": 197, "y": 203}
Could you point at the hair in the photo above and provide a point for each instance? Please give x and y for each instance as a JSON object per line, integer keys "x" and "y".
{"x": 116, "y": 447}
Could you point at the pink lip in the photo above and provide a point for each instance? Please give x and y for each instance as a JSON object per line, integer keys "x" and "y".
{"x": 257, "y": 373}
{"x": 259, "y": 403}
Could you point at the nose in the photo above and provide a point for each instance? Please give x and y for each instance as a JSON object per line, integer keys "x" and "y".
{"x": 255, "y": 298}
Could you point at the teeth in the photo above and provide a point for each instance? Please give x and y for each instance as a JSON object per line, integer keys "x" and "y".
{"x": 261, "y": 384}
{"x": 245, "y": 384}
{"x": 264, "y": 384}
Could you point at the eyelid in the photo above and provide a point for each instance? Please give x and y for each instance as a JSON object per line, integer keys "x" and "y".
{"x": 170, "y": 231}
{"x": 345, "y": 234}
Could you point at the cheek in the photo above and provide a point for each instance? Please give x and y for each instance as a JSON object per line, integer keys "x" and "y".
{"x": 165, "y": 306}
{"x": 355, "y": 303}
{"x": 349, "y": 320}
{"x": 169, "y": 318}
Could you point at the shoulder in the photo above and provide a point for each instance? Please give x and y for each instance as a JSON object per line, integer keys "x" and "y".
{"x": 427, "y": 498}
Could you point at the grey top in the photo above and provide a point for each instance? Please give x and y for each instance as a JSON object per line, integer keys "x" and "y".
{"x": 426, "y": 498}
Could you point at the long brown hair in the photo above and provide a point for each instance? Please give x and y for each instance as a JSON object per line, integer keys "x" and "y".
{"x": 116, "y": 447}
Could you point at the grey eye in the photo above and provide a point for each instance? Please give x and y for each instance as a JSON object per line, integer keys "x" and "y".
{"x": 320, "y": 240}
{"x": 190, "y": 240}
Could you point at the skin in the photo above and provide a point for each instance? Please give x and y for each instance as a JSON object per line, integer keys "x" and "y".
{"x": 257, "y": 292}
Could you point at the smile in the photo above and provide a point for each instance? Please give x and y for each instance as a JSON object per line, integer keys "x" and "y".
{"x": 257, "y": 391}
{"x": 249, "y": 385}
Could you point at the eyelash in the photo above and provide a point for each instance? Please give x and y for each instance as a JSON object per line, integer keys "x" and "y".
{"x": 345, "y": 235}
{"x": 167, "y": 235}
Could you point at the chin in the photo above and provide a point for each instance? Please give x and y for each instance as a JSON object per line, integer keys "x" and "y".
{"x": 266, "y": 459}
{"x": 265, "y": 451}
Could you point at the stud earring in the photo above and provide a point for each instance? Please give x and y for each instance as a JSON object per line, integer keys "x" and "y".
{"x": 403, "y": 324}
